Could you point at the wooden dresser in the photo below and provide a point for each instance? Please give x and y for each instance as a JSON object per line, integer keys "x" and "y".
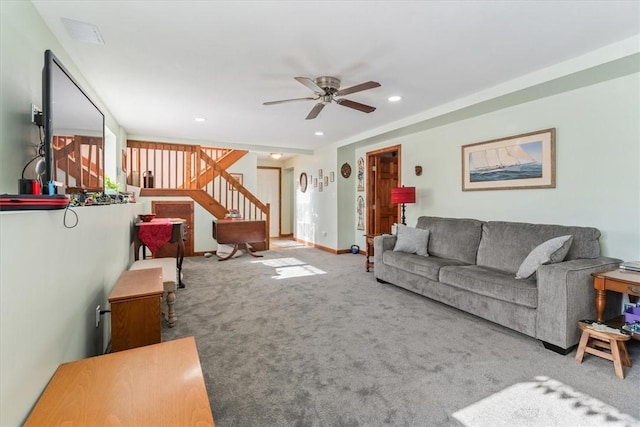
{"x": 135, "y": 309}
{"x": 156, "y": 385}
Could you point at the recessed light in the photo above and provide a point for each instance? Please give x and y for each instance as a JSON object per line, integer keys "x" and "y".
{"x": 319, "y": 133}
{"x": 199, "y": 119}
{"x": 275, "y": 156}
{"x": 394, "y": 98}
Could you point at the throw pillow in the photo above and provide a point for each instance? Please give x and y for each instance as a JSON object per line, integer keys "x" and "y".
{"x": 411, "y": 240}
{"x": 552, "y": 251}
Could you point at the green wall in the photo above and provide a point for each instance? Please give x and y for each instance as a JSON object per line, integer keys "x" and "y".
{"x": 51, "y": 277}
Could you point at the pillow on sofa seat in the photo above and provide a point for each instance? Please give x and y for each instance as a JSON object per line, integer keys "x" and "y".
{"x": 411, "y": 240}
{"x": 552, "y": 251}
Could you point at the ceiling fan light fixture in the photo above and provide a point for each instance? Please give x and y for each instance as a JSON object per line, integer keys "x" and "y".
{"x": 394, "y": 98}
{"x": 275, "y": 156}
{"x": 325, "y": 90}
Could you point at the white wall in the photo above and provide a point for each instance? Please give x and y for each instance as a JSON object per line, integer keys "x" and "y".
{"x": 315, "y": 212}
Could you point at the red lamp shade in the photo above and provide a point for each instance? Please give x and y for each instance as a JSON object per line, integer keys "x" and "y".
{"x": 403, "y": 195}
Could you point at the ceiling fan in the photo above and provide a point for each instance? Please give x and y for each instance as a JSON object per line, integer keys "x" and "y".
{"x": 326, "y": 88}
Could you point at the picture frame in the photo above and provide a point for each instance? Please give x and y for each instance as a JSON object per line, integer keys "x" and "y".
{"x": 319, "y": 173}
{"x": 332, "y": 176}
{"x": 326, "y": 180}
{"x": 515, "y": 162}
{"x": 303, "y": 182}
{"x": 320, "y": 187}
{"x": 315, "y": 182}
{"x": 238, "y": 177}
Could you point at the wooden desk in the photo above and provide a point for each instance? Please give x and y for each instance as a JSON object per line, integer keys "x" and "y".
{"x": 239, "y": 233}
{"x": 135, "y": 309}
{"x": 160, "y": 384}
{"x": 178, "y": 235}
{"x": 624, "y": 282}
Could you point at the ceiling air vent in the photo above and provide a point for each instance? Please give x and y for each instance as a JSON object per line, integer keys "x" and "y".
{"x": 83, "y": 31}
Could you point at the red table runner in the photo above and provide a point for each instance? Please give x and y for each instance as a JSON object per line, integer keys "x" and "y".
{"x": 155, "y": 234}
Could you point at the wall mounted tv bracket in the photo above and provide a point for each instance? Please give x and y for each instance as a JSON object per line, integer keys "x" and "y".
{"x": 36, "y": 115}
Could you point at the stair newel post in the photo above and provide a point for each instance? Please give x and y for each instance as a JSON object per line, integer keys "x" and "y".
{"x": 198, "y": 160}
{"x": 268, "y": 225}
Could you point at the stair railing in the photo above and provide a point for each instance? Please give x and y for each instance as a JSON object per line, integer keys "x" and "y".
{"x": 175, "y": 167}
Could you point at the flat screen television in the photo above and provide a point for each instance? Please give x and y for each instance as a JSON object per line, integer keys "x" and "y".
{"x": 73, "y": 132}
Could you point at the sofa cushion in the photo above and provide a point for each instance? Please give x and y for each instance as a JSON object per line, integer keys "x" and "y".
{"x": 452, "y": 238}
{"x": 412, "y": 240}
{"x": 552, "y": 251}
{"x": 428, "y": 267}
{"x": 505, "y": 245}
{"x": 492, "y": 283}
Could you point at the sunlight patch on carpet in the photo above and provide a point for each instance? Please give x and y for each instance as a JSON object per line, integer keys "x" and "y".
{"x": 280, "y": 262}
{"x": 544, "y": 402}
{"x": 287, "y": 244}
{"x": 287, "y": 268}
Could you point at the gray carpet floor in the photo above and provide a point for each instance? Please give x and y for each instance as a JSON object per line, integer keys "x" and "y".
{"x": 306, "y": 338}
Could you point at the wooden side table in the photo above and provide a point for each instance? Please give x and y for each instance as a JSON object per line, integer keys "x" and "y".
{"x": 369, "y": 243}
{"x": 622, "y": 281}
{"x": 240, "y": 233}
{"x": 135, "y": 309}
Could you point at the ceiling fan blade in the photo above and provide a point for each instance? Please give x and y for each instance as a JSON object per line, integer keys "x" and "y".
{"x": 356, "y": 105}
{"x": 310, "y": 84}
{"x": 358, "y": 88}
{"x": 315, "y": 111}
{"x": 289, "y": 100}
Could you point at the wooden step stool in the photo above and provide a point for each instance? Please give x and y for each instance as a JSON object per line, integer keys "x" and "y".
{"x": 169, "y": 280}
{"x": 591, "y": 341}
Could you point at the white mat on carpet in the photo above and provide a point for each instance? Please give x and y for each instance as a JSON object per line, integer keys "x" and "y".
{"x": 544, "y": 402}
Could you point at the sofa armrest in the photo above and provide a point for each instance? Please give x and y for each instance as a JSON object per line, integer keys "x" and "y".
{"x": 386, "y": 242}
{"x": 566, "y": 296}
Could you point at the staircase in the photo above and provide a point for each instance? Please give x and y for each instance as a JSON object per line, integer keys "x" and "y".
{"x": 194, "y": 171}
{"x": 79, "y": 162}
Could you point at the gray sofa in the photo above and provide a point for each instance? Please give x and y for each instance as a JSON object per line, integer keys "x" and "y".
{"x": 471, "y": 265}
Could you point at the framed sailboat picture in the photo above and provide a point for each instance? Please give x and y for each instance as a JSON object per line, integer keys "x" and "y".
{"x": 515, "y": 162}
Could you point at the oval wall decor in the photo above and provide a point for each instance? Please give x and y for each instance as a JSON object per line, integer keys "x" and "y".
{"x": 303, "y": 182}
{"x": 345, "y": 170}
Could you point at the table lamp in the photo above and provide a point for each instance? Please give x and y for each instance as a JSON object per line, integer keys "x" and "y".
{"x": 403, "y": 195}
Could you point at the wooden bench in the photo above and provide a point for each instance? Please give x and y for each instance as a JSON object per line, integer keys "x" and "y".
{"x": 169, "y": 280}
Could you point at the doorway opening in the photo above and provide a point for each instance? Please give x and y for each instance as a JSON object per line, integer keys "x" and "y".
{"x": 383, "y": 174}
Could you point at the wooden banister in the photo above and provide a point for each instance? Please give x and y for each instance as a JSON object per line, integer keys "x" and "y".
{"x": 195, "y": 171}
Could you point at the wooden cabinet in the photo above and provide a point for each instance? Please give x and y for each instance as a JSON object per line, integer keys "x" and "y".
{"x": 135, "y": 309}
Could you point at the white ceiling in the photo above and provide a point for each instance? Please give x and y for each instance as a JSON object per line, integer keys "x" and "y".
{"x": 165, "y": 62}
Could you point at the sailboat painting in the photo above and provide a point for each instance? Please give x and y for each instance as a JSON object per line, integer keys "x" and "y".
{"x": 511, "y": 162}
{"x": 521, "y": 161}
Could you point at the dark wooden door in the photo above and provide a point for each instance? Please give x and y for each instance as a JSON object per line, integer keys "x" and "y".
{"x": 383, "y": 174}
{"x": 175, "y": 209}
{"x": 386, "y": 213}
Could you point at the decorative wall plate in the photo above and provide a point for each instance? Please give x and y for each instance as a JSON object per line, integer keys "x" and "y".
{"x": 345, "y": 170}
{"x": 303, "y": 182}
